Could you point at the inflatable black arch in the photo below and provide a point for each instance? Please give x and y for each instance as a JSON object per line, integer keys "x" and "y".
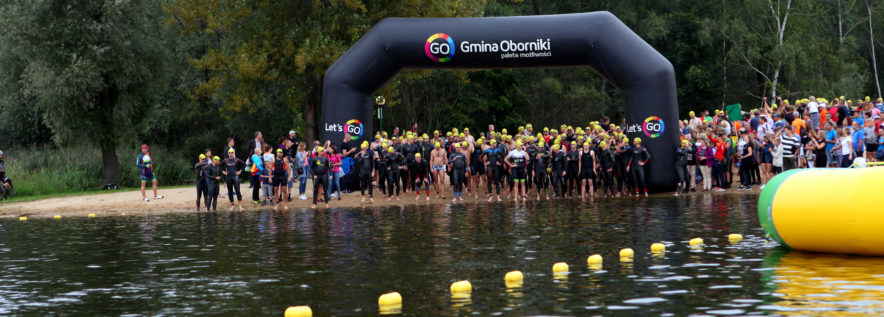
{"x": 597, "y": 39}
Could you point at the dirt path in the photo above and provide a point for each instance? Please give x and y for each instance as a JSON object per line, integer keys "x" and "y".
{"x": 183, "y": 200}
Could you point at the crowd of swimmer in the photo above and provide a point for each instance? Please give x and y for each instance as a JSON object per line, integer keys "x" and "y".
{"x": 811, "y": 133}
{"x": 570, "y": 163}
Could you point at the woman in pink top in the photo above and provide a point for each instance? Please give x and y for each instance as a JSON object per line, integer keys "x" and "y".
{"x": 334, "y": 160}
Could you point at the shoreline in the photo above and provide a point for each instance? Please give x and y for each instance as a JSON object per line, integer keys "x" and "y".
{"x": 183, "y": 199}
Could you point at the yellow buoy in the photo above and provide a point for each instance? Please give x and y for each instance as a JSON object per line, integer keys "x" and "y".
{"x": 735, "y": 237}
{"x": 513, "y": 279}
{"x": 626, "y": 253}
{"x": 390, "y": 299}
{"x": 91, "y": 216}
{"x": 696, "y": 241}
{"x": 298, "y": 311}
{"x": 658, "y": 247}
{"x": 23, "y": 218}
{"x": 594, "y": 259}
{"x": 56, "y": 217}
{"x": 461, "y": 287}
{"x": 560, "y": 268}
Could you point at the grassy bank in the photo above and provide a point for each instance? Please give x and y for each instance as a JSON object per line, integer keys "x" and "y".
{"x": 46, "y": 171}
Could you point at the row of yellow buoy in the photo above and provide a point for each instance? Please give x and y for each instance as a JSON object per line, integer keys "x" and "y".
{"x": 23, "y": 218}
{"x": 391, "y": 303}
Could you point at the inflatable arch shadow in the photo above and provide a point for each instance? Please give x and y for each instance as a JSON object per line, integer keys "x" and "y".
{"x": 597, "y": 39}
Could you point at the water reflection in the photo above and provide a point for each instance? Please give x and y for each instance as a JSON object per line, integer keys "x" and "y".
{"x": 339, "y": 261}
{"x": 826, "y": 284}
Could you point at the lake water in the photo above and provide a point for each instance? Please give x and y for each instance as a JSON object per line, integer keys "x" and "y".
{"x": 339, "y": 261}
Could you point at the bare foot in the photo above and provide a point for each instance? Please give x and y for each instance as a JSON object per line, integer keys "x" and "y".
{"x": 240, "y": 208}
{"x": 454, "y": 200}
{"x": 489, "y": 198}
{"x": 314, "y": 206}
{"x": 428, "y": 197}
{"x": 326, "y": 205}
{"x": 371, "y": 199}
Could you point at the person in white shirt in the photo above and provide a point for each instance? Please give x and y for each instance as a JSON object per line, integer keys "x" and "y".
{"x": 814, "y": 109}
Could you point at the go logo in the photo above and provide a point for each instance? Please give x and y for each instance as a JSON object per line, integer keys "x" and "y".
{"x": 439, "y": 47}
{"x": 354, "y": 128}
{"x": 653, "y": 126}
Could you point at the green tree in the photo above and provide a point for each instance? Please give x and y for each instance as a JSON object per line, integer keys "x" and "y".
{"x": 93, "y": 68}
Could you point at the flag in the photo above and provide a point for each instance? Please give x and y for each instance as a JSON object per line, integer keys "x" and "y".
{"x": 733, "y": 112}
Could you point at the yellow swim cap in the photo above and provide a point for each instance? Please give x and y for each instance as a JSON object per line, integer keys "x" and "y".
{"x": 437, "y": 144}
{"x": 230, "y": 150}
{"x": 683, "y": 142}
{"x": 319, "y": 149}
{"x": 466, "y": 129}
{"x": 585, "y": 143}
{"x": 603, "y": 144}
{"x": 364, "y": 144}
{"x": 277, "y": 151}
{"x": 493, "y": 142}
{"x": 464, "y": 144}
{"x": 435, "y": 131}
{"x": 519, "y": 143}
{"x": 202, "y": 156}
{"x": 448, "y": 134}
{"x": 390, "y": 149}
{"x": 573, "y": 143}
{"x": 417, "y": 155}
{"x": 503, "y": 131}
{"x": 425, "y": 136}
{"x": 637, "y": 140}
{"x": 689, "y": 113}
{"x": 540, "y": 143}
{"x": 457, "y": 145}
{"x": 546, "y": 129}
{"x": 216, "y": 158}
{"x": 556, "y": 147}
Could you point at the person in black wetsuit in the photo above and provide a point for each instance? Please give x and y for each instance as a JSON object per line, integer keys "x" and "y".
{"x": 280, "y": 180}
{"x": 365, "y": 166}
{"x": 557, "y": 162}
{"x": 319, "y": 170}
{"x": 572, "y": 159}
{"x": 624, "y": 181}
{"x": 606, "y": 160}
{"x": 587, "y": 168}
{"x": 531, "y": 149}
{"x": 232, "y": 166}
{"x": 638, "y": 157}
{"x": 492, "y": 157}
{"x": 201, "y": 185}
{"x": 421, "y": 175}
{"x": 395, "y": 164}
{"x": 408, "y": 150}
{"x": 213, "y": 174}
{"x": 541, "y": 166}
{"x": 682, "y": 154}
{"x": 380, "y": 166}
{"x": 457, "y": 163}
{"x": 477, "y": 169}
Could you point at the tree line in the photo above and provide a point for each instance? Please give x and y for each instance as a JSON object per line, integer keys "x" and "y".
{"x": 187, "y": 74}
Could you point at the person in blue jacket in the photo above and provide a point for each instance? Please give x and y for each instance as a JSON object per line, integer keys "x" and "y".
{"x": 145, "y": 168}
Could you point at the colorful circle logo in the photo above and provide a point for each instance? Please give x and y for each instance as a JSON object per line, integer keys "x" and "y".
{"x": 439, "y": 47}
{"x": 653, "y": 126}
{"x": 354, "y": 128}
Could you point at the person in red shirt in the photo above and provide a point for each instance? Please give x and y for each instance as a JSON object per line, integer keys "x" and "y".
{"x": 718, "y": 165}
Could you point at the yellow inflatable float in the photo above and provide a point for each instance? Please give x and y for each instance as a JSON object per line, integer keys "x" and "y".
{"x": 825, "y": 210}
